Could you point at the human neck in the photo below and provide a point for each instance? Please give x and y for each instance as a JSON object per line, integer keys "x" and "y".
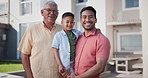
{"x": 48, "y": 25}
{"x": 88, "y": 32}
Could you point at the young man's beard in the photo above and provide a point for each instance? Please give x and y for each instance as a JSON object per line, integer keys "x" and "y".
{"x": 89, "y": 28}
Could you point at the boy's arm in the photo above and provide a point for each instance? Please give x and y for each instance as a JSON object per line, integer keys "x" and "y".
{"x": 57, "y": 57}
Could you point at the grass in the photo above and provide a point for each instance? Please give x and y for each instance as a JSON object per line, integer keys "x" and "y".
{"x": 10, "y": 66}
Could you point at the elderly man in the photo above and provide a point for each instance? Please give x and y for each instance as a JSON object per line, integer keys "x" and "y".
{"x": 37, "y": 56}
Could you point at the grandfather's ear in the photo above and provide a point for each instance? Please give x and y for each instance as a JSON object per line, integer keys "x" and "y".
{"x": 42, "y": 12}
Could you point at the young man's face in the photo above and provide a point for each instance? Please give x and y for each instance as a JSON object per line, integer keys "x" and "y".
{"x": 88, "y": 20}
{"x": 50, "y": 13}
{"x": 68, "y": 23}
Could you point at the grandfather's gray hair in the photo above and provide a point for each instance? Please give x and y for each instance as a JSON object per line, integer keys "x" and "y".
{"x": 49, "y": 2}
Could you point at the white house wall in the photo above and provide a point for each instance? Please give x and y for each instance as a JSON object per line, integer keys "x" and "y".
{"x": 16, "y": 19}
{"x": 144, "y": 17}
{"x": 100, "y": 6}
{"x": 64, "y": 6}
{"x": 105, "y": 11}
{"x": 109, "y": 29}
{"x": 121, "y": 14}
{"x": 36, "y": 13}
{"x": 79, "y": 6}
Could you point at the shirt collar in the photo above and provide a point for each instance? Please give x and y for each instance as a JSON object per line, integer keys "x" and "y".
{"x": 65, "y": 32}
{"x": 54, "y": 26}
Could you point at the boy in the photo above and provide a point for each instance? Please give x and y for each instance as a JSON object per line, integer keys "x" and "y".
{"x": 64, "y": 43}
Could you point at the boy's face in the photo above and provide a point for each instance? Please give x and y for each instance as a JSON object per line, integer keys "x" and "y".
{"x": 68, "y": 23}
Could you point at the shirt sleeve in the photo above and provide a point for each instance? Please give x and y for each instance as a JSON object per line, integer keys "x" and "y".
{"x": 55, "y": 43}
{"x": 103, "y": 48}
{"x": 25, "y": 45}
{"x": 79, "y": 33}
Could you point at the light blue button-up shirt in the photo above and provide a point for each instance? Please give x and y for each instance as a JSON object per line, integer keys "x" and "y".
{"x": 61, "y": 42}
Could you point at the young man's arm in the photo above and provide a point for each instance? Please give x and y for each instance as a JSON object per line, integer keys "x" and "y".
{"x": 26, "y": 65}
{"x": 95, "y": 70}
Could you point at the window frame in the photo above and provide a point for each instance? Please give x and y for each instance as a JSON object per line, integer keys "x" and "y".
{"x": 84, "y": 1}
{"x": 21, "y": 8}
{"x": 119, "y": 39}
{"x": 4, "y": 10}
{"x": 126, "y": 9}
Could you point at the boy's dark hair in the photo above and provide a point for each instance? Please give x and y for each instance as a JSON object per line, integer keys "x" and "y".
{"x": 88, "y": 8}
{"x": 67, "y": 14}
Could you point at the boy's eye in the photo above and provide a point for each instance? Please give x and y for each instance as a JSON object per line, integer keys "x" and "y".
{"x": 84, "y": 17}
{"x": 67, "y": 22}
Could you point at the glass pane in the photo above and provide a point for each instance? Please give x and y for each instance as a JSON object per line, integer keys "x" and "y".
{"x": 79, "y": 1}
{"x": 132, "y": 3}
{"x": 131, "y": 43}
{"x": 26, "y": 8}
{"x": 3, "y": 8}
{"x": 22, "y": 30}
{"x": 24, "y": 0}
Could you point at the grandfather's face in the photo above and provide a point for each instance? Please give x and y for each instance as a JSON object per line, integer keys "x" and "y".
{"x": 88, "y": 20}
{"x": 50, "y": 13}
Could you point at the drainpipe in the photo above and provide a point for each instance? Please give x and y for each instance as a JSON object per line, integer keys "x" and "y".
{"x": 8, "y": 12}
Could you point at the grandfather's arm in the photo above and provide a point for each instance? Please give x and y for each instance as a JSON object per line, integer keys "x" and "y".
{"x": 26, "y": 65}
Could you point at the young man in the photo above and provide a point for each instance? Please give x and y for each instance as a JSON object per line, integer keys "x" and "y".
{"x": 37, "y": 56}
{"x": 64, "y": 43}
{"x": 92, "y": 49}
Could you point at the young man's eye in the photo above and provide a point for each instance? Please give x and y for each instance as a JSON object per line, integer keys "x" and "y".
{"x": 91, "y": 16}
{"x": 84, "y": 17}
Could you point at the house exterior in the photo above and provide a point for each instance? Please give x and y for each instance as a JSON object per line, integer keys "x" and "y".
{"x": 119, "y": 20}
{"x": 4, "y": 28}
{"x": 23, "y": 13}
{"x": 124, "y": 21}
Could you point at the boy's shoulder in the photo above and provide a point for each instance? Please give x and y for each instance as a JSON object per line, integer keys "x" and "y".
{"x": 75, "y": 30}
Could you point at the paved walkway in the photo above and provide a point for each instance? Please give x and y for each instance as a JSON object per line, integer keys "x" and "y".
{"x": 108, "y": 74}
{"x": 2, "y": 75}
{"x": 20, "y": 74}
{"x": 14, "y": 74}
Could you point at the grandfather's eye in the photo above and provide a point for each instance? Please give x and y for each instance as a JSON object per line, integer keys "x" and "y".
{"x": 50, "y": 10}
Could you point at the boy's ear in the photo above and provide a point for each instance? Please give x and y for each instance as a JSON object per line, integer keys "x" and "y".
{"x": 96, "y": 20}
{"x": 61, "y": 22}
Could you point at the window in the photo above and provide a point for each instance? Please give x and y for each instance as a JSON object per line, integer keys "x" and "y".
{"x": 3, "y": 8}
{"x": 132, "y": 3}
{"x": 23, "y": 27}
{"x": 80, "y": 1}
{"x": 25, "y": 7}
{"x": 129, "y": 42}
